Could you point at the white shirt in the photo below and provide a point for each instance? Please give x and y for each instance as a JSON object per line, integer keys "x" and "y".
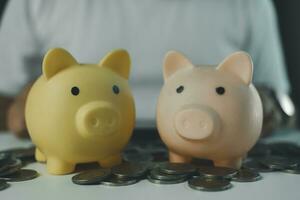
{"x": 204, "y": 30}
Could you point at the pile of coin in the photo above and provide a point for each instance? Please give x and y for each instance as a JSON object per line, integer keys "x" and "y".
{"x": 204, "y": 176}
{"x": 121, "y": 175}
{"x": 148, "y": 161}
{"x": 11, "y": 163}
{"x": 280, "y": 156}
{"x": 199, "y": 177}
{"x": 171, "y": 173}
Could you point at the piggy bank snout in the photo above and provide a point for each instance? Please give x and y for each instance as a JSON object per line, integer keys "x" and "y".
{"x": 97, "y": 118}
{"x": 196, "y": 122}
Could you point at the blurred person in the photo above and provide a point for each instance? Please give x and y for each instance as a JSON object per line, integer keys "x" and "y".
{"x": 206, "y": 31}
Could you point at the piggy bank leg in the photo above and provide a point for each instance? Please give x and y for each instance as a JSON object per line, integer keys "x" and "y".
{"x": 39, "y": 156}
{"x": 111, "y": 161}
{"x": 176, "y": 158}
{"x": 59, "y": 167}
{"x": 231, "y": 163}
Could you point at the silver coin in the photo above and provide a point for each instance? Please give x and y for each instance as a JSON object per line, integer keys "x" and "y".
{"x": 90, "y": 177}
{"x": 217, "y": 172}
{"x": 10, "y": 171}
{"x": 25, "y": 153}
{"x": 20, "y": 152}
{"x": 3, "y": 156}
{"x": 21, "y": 175}
{"x": 209, "y": 184}
{"x": 115, "y": 181}
{"x": 177, "y": 168}
{"x": 196, "y": 176}
{"x": 9, "y": 165}
{"x": 129, "y": 170}
{"x": 246, "y": 175}
{"x": 294, "y": 170}
{"x": 165, "y": 182}
{"x": 158, "y": 174}
{"x": 277, "y": 162}
{"x": 155, "y": 165}
{"x": 3, "y": 185}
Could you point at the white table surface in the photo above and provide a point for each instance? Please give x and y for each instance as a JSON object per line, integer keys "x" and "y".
{"x": 273, "y": 186}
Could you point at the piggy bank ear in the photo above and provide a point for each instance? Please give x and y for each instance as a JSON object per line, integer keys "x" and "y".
{"x": 56, "y": 60}
{"x": 118, "y": 61}
{"x": 239, "y": 64}
{"x": 173, "y": 62}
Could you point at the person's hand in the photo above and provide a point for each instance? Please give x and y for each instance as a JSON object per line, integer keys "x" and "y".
{"x": 16, "y": 114}
{"x": 273, "y": 115}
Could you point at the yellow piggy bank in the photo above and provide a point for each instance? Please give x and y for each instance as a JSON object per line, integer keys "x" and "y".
{"x": 78, "y": 113}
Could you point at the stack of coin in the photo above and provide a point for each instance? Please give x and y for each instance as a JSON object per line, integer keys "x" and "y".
{"x": 246, "y": 175}
{"x": 171, "y": 173}
{"x": 11, "y": 163}
{"x": 201, "y": 174}
{"x": 217, "y": 172}
{"x": 209, "y": 184}
{"x": 277, "y": 162}
{"x": 210, "y": 178}
{"x": 26, "y": 155}
{"x": 274, "y": 157}
{"x": 121, "y": 175}
{"x": 149, "y": 161}
{"x": 91, "y": 177}
{"x": 127, "y": 174}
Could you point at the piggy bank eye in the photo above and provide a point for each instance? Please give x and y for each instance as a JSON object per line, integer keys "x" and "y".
{"x": 116, "y": 89}
{"x": 220, "y": 90}
{"x": 179, "y": 89}
{"x": 75, "y": 91}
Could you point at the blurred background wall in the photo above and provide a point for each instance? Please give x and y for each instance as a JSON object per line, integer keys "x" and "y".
{"x": 288, "y": 15}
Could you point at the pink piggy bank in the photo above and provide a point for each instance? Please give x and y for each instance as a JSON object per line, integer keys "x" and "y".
{"x": 208, "y": 112}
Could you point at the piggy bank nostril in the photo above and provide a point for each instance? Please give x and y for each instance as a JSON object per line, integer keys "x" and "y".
{"x": 95, "y": 122}
{"x": 111, "y": 122}
{"x": 201, "y": 124}
{"x": 186, "y": 124}
{"x": 102, "y": 123}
